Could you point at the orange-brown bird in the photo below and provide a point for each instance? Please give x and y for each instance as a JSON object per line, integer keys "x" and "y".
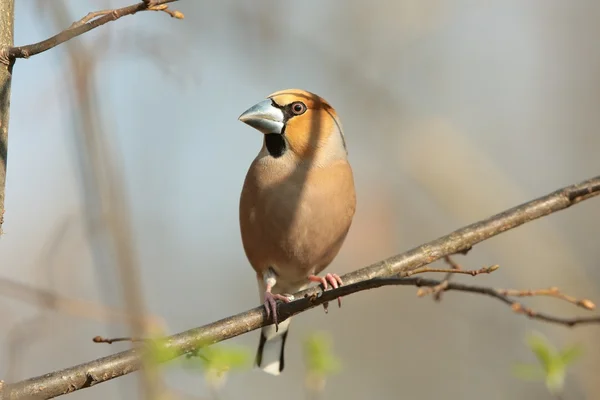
{"x": 296, "y": 206}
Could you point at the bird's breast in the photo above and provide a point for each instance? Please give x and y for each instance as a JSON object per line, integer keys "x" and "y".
{"x": 295, "y": 220}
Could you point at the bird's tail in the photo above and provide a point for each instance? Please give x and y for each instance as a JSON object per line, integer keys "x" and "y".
{"x": 269, "y": 356}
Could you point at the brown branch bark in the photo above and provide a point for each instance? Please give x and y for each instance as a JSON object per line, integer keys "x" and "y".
{"x": 86, "y": 24}
{"x": 7, "y": 19}
{"x": 380, "y": 274}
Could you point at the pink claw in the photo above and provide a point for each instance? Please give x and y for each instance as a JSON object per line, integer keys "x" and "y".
{"x": 271, "y": 306}
{"x": 333, "y": 279}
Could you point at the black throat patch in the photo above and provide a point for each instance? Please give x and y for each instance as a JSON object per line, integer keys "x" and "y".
{"x": 275, "y": 143}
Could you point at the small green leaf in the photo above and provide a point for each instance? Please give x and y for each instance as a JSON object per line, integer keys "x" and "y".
{"x": 225, "y": 358}
{"x": 555, "y": 379}
{"x": 570, "y": 354}
{"x": 553, "y": 363}
{"x": 195, "y": 360}
{"x": 216, "y": 361}
{"x": 542, "y": 349}
{"x": 318, "y": 356}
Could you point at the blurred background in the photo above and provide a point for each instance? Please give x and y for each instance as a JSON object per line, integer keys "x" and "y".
{"x": 126, "y": 160}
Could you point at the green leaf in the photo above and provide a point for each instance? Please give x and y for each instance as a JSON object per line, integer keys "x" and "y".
{"x": 571, "y": 353}
{"x": 542, "y": 349}
{"x": 529, "y": 372}
{"x": 225, "y": 358}
{"x": 554, "y": 363}
{"x": 555, "y": 379}
{"x": 319, "y": 358}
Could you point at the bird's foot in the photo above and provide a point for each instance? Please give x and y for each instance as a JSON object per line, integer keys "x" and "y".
{"x": 333, "y": 279}
{"x": 271, "y": 305}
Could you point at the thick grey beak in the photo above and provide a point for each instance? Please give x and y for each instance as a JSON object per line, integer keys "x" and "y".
{"x": 264, "y": 117}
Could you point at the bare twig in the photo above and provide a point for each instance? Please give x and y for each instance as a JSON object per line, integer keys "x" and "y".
{"x": 90, "y": 16}
{"x": 551, "y": 292}
{"x": 495, "y": 293}
{"x": 439, "y": 290}
{"x": 450, "y": 261}
{"x": 457, "y": 269}
{"x": 100, "y": 339}
{"x": 472, "y": 272}
{"x": 436, "y": 290}
{"x": 506, "y": 293}
{"x": 86, "y": 24}
{"x": 376, "y": 275}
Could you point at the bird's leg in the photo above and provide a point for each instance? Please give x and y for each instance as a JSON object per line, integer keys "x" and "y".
{"x": 333, "y": 279}
{"x": 270, "y": 305}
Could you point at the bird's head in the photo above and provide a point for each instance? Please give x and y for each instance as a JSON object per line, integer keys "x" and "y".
{"x": 298, "y": 121}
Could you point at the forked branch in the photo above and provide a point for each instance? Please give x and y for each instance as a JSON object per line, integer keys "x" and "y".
{"x": 86, "y": 24}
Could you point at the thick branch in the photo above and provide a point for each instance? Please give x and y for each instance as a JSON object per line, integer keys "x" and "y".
{"x": 101, "y": 370}
{"x": 86, "y": 24}
{"x": 7, "y": 16}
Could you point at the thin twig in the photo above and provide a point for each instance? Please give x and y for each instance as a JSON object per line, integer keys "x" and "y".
{"x": 100, "y": 339}
{"x": 497, "y": 294}
{"x": 551, "y": 292}
{"x": 450, "y": 261}
{"x": 439, "y": 290}
{"x": 472, "y": 272}
{"x": 436, "y": 291}
{"x": 86, "y": 24}
{"x": 104, "y": 369}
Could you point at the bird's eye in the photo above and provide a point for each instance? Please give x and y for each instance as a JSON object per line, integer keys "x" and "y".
{"x": 298, "y": 108}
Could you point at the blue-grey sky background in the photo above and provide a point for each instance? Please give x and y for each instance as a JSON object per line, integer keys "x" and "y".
{"x": 453, "y": 111}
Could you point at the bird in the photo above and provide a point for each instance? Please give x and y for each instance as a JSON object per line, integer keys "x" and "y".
{"x": 296, "y": 207}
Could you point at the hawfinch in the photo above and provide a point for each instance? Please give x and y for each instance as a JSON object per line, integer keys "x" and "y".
{"x": 296, "y": 206}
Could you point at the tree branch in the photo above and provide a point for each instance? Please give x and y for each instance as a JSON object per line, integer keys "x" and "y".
{"x": 422, "y": 283}
{"x": 86, "y": 24}
{"x": 7, "y": 18}
{"x": 376, "y": 275}
{"x": 8, "y": 55}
